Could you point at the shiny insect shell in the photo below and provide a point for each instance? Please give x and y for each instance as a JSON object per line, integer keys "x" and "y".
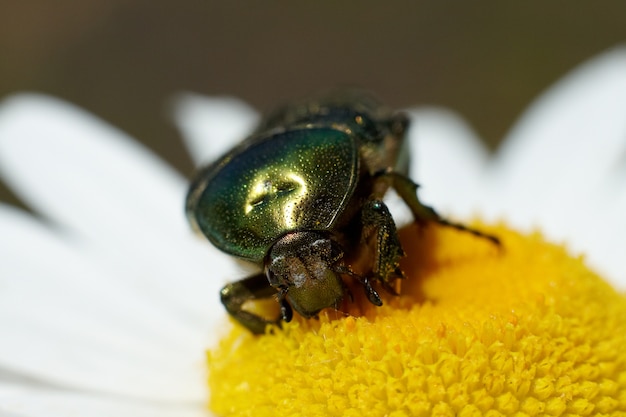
{"x": 302, "y": 196}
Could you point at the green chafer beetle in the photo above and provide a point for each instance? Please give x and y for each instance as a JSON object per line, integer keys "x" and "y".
{"x": 303, "y": 198}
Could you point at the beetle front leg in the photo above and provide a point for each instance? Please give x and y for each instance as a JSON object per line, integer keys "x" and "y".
{"x": 407, "y": 190}
{"x": 379, "y": 230}
{"x": 235, "y": 294}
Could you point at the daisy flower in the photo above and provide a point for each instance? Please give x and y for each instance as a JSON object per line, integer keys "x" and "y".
{"x": 108, "y": 302}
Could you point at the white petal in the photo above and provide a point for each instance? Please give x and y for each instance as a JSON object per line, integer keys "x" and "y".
{"x": 64, "y": 322}
{"x": 567, "y": 142}
{"x": 45, "y": 142}
{"x": 554, "y": 168}
{"x": 21, "y": 401}
{"x": 122, "y": 202}
{"x": 447, "y": 161}
{"x": 211, "y": 126}
{"x": 603, "y": 232}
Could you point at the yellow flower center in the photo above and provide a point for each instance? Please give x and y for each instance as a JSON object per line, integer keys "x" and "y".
{"x": 521, "y": 330}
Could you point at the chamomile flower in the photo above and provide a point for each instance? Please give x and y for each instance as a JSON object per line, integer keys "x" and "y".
{"x": 108, "y": 302}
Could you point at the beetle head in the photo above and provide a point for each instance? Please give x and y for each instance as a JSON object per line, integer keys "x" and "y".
{"x": 300, "y": 265}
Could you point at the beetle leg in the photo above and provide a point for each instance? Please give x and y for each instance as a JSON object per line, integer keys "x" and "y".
{"x": 407, "y": 190}
{"x": 286, "y": 312}
{"x": 370, "y": 292}
{"x": 379, "y": 230}
{"x": 235, "y": 294}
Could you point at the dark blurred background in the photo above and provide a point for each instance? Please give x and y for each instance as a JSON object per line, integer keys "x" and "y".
{"x": 123, "y": 59}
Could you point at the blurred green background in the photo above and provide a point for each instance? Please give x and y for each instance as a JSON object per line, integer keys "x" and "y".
{"x": 123, "y": 59}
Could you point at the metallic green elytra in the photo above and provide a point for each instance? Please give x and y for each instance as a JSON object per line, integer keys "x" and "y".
{"x": 272, "y": 186}
{"x": 302, "y": 198}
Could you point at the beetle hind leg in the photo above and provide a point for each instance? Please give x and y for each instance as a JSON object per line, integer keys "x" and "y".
{"x": 423, "y": 214}
{"x": 235, "y": 294}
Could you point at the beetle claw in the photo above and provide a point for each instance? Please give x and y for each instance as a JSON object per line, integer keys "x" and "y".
{"x": 371, "y": 293}
{"x": 286, "y": 313}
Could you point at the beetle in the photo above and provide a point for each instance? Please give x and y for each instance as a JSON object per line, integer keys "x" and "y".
{"x": 302, "y": 197}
